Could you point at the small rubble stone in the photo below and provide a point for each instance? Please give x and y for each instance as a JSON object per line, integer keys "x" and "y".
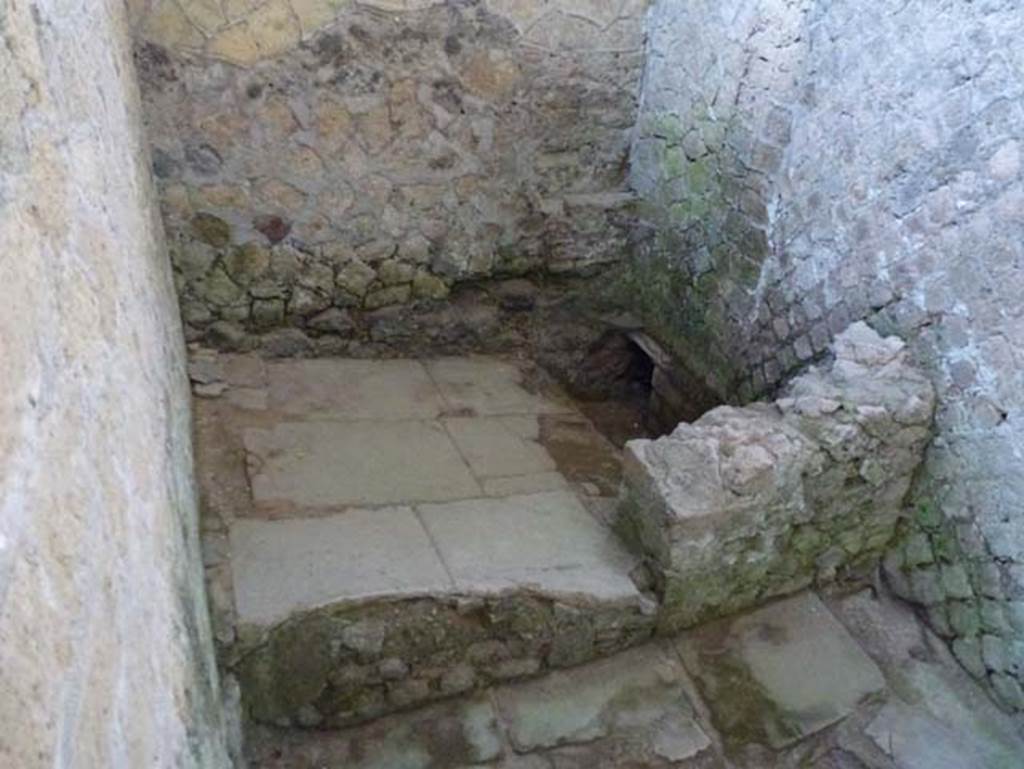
{"x": 333, "y": 320}
{"x": 211, "y": 229}
{"x": 387, "y": 296}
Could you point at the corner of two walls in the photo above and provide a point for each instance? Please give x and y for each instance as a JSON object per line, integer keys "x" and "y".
{"x": 803, "y": 166}
{"x": 324, "y": 164}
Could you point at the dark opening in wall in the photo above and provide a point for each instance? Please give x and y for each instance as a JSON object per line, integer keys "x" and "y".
{"x": 630, "y": 387}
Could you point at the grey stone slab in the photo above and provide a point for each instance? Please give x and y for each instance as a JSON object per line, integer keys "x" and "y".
{"x": 353, "y": 389}
{"x": 329, "y": 464}
{"x": 244, "y": 370}
{"x": 488, "y": 386}
{"x": 640, "y": 693}
{"x": 281, "y": 567}
{"x": 547, "y": 542}
{"x": 780, "y": 673}
{"x": 493, "y": 448}
{"x": 524, "y": 484}
{"x": 916, "y": 740}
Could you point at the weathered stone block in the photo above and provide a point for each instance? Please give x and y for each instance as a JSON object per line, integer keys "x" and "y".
{"x": 750, "y": 503}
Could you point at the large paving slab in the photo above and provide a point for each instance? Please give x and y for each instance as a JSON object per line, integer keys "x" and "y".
{"x": 353, "y": 389}
{"x": 330, "y": 464}
{"x": 781, "y": 673}
{"x": 486, "y": 387}
{"x": 639, "y": 690}
{"x": 546, "y": 542}
{"x": 284, "y": 567}
{"x": 496, "y": 446}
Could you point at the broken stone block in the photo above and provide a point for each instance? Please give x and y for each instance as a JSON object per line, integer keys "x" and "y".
{"x": 749, "y": 503}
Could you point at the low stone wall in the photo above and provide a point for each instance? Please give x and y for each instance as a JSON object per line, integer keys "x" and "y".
{"x": 750, "y": 503}
{"x": 324, "y": 155}
{"x": 353, "y": 663}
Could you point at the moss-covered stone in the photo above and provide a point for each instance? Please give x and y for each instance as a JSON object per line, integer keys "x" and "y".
{"x": 211, "y": 229}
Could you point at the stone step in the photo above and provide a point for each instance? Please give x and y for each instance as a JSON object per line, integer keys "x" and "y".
{"x": 855, "y": 681}
{"x": 382, "y": 534}
{"x": 345, "y": 617}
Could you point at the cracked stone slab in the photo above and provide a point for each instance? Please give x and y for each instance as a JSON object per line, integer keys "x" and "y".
{"x": 640, "y": 693}
{"x": 487, "y": 387}
{"x": 496, "y": 449}
{"x": 283, "y": 567}
{"x": 780, "y": 673}
{"x": 353, "y": 389}
{"x": 330, "y": 464}
{"x": 547, "y": 542}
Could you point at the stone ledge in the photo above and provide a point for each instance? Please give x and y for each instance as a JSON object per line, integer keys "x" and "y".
{"x": 351, "y": 663}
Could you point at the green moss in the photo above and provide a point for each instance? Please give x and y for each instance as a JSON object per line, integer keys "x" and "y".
{"x": 928, "y": 516}
{"x": 666, "y": 125}
{"x": 674, "y": 164}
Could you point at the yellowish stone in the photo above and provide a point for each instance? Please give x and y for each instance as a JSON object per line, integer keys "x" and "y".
{"x": 335, "y": 201}
{"x": 375, "y": 129}
{"x": 205, "y": 14}
{"x": 239, "y": 9}
{"x": 304, "y": 163}
{"x": 314, "y": 14}
{"x": 407, "y": 114}
{"x": 175, "y": 201}
{"x": 220, "y": 196}
{"x": 275, "y": 28}
{"x": 278, "y": 117}
{"x": 280, "y": 195}
{"x": 224, "y": 129}
{"x": 333, "y": 123}
{"x": 167, "y": 25}
{"x": 521, "y": 12}
{"x": 491, "y": 74}
{"x": 235, "y": 44}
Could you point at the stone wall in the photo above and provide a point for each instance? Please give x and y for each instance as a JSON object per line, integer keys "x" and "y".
{"x": 750, "y": 503}
{"x": 105, "y": 650}
{"x": 858, "y": 167}
{"x": 323, "y": 159}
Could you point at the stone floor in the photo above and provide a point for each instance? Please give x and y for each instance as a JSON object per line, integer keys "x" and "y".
{"x": 346, "y": 481}
{"x": 846, "y": 683}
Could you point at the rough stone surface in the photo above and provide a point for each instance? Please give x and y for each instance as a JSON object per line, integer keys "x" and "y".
{"x": 105, "y": 649}
{"x": 380, "y": 152}
{"x": 799, "y": 169}
{"x": 750, "y": 503}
